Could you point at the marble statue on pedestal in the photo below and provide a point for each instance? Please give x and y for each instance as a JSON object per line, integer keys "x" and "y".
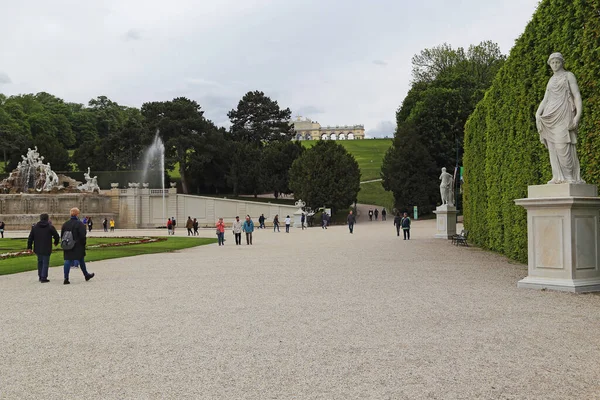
{"x": 557, "y": 119}
{"x": 446, "y": 188}
{"x": 91, "y": 183}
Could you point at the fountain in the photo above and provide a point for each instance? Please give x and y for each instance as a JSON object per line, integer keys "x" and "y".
{"x": 156, "y": 150}
{"x": 33, "y": 188}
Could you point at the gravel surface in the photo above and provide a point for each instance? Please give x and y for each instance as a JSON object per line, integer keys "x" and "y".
{"x": 312, "y": 314}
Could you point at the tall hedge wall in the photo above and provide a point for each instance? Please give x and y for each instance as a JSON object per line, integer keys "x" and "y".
{"x": 503, "y": 154}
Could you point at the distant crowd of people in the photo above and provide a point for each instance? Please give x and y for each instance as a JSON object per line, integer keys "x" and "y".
{"x": 376, "y": 214}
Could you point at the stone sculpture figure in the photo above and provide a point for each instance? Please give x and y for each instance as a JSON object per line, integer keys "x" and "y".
{"x": 446, "y": 188}
{"x": 91, "y": 183}
{"x": 557, "y": 119}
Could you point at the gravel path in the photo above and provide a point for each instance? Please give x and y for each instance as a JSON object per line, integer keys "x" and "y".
{"x": 308, "y": 315}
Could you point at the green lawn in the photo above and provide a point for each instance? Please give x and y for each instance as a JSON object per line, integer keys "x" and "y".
{"x": 374, "y": 193}
{"x": 368, "y": 153}
{"x": 29, "y": 263}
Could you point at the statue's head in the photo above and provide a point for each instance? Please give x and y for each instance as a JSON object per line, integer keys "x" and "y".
{"x": 443, "y": 169}
{"x": 556, "y": 61}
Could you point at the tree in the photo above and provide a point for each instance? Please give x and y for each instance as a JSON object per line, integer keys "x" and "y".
{"x": 245, "y": 175}
{"x": 180, "y": 123}
{"x": 209, "y": 162}
{"x": 277, "y": 159}
{"x": 326, "y": 175}
{"x": 259, "y": 119}
{"x": 447, "y": 86}
{"x": 412, "y": 183}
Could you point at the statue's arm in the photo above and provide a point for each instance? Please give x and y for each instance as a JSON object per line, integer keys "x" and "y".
{"x": 576, "y": 97}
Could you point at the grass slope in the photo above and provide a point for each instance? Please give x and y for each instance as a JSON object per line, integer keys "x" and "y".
{"x": 368, "y": 153}
{"x": 29, "y": 263}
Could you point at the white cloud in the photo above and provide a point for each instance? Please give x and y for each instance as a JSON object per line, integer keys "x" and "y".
{"x": 382, "y": 129}
{"x": 4, "y": 78}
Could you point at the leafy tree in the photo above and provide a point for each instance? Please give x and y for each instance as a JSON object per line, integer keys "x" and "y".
{"x": 245, "y": 175}
{"x": 94, "y": 154}
{"x": 14, "y": 136}
{"x": 277, "y": 159}
{"x": 209, "y": 162}
{"x": 259, "y": 119}
{"x": 53, "y": 152}
{"x": 326, "y": 175}
{"x": 447, "y": 86}
{"x": 180, "y": 123}
{"x": 109, "y": 115}
{"x": 410, "y": 182}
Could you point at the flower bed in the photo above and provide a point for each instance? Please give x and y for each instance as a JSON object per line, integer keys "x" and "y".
{"x": 130, "y": 242}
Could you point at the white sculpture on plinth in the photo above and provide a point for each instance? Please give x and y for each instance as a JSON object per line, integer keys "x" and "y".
{"x": 91, "y": 183}
{"x": 447, "y": 188}
{"x": 557, "y": 119}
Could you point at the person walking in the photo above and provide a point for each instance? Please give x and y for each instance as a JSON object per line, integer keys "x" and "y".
{"x": 276, "y": 223}
{"x": 302, "y": 219}
{"x": 90, "y": 224}
{"x": 195, "y": 226}
{"x": 112, "y": 224}
{"x": 324, "y": 220}
{"x": 398, "y": 223}
{"x": 237, "y": 230}
{"x": 261, "y": 221}
{"x": 189, "y": 225}
{"x": 2, "y": 226}
{"x": 370, "y": 215}
{"x": 376, "y": 214}
{"x": 105, "y": 224}
{"x": 40, "y": 238}
{"x": 169, "y": 227}
{"x": 248, "y": 227}
{"x": 383, "y": 214}
{"x": 406, "y": 226}
{"x": 351, "y": 221}
{"x": 288, "y": 222}
{"x": 174, "y": 224}
{"x": 221, "y": 232}
{"x": 73, "y": 243}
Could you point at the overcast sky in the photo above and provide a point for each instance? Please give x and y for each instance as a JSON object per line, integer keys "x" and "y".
{"x": 339, "y": 62}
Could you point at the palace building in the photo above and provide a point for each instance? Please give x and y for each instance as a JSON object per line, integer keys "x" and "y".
{"x": 306, "y": 129}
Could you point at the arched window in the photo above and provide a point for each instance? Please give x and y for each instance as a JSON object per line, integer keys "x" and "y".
{"x": 324, "y": 136}
{"x": 342, "y": 136}
{"x": 333, "y": 136}
{"x": 351, "y": 136}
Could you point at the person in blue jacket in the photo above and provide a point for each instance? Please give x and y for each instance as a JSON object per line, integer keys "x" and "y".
{"x": 248, "y": 227}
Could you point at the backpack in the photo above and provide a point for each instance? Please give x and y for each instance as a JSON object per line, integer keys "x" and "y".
{"x": 67, "y": 242}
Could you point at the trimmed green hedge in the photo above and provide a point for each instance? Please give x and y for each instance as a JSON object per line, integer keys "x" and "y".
{"x": 503, "y": 154}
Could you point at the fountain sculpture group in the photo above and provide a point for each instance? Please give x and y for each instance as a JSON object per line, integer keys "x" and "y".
{"x": 33, "y": 188}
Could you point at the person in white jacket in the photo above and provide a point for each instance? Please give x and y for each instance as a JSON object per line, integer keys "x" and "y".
{"x": 237, "y": 230}
{"x": 288, "y": 222}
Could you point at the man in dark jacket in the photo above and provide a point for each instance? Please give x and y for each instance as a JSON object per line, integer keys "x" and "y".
{"x": 351, "y": 221}
{"x": 77, "y": 253}
{"x": 40, "y": 238}
{"x": 398, "y": 223}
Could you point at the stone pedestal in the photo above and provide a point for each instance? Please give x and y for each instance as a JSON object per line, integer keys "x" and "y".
{"x": 563, "y": 237}
{"x": 446, "y": 221}
{"x": 298, "y": 218}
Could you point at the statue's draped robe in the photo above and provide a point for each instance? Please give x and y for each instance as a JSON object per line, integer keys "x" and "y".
{"x": 557, "y": 116}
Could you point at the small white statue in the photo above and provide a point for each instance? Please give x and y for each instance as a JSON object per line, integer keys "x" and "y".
{"x": 447, "y": 188}
{"x": 91, "y": 183}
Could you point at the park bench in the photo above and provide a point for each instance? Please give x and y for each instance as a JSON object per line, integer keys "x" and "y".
{"x": 461, "y": 238}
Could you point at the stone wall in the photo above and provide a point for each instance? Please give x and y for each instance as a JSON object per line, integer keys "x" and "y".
{"x": 20, "y": 211}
